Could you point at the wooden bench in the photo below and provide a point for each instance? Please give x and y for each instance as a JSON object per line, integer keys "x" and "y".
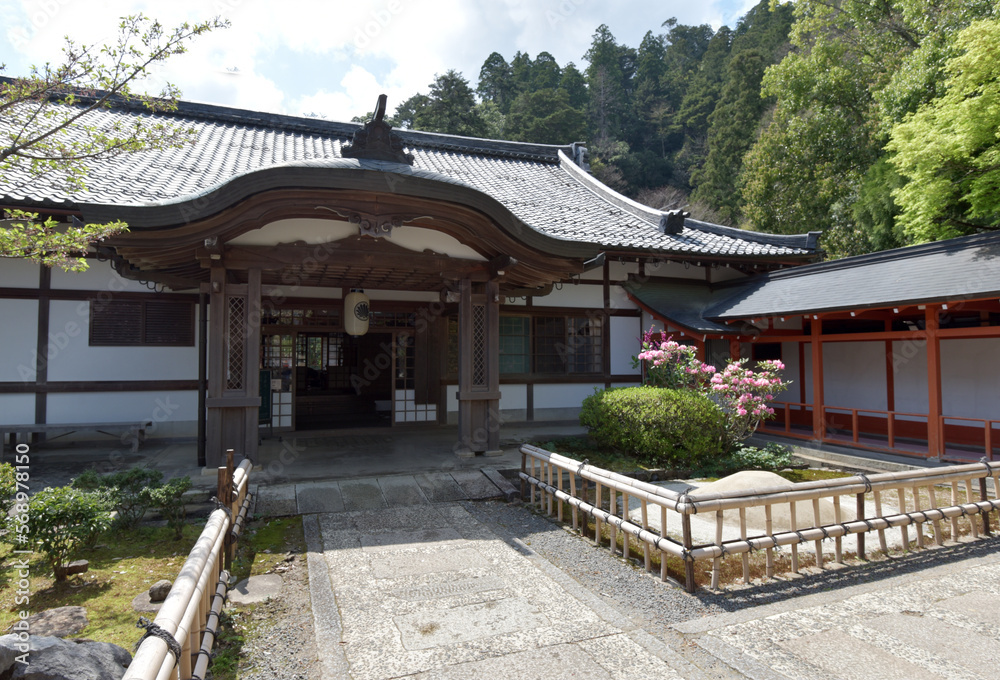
{"x": 137, "y": 428}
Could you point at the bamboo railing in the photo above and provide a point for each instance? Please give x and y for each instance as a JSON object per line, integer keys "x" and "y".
{"x": 555, "y": 479}
{"x": 178, "y": 643}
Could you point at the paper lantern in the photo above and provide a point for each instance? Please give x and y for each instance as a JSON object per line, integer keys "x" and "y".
{"x": 356, "y": 312}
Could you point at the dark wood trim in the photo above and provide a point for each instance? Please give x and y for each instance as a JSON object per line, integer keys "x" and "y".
{"x": 88, "y": 295}
{"x": 520, "y": 310}
{"x": 42, "y": 344}
{"x": 529, "y": 405}
{"x": 80, "y": 386}
{"x": 606, "y": 334}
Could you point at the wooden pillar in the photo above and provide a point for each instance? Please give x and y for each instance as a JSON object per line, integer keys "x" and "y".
{"x": 802, "y": 372}
{"x": 734, "y": 349}
{"x": 890, "y": 373}
{"x": 935, "y": 439}
{"x": 819, "y": 429}
{"x": 234, "y": 361}
{"x": 478, "y": 369}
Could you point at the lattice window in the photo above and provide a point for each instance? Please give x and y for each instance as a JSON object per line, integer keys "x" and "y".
{"x": 479, "y": 345}
{"x": 237, "y": 343}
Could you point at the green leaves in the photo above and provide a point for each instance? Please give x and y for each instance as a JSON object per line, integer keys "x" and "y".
{"x": 63, "y": 520}
{"x": 52, "y": 127}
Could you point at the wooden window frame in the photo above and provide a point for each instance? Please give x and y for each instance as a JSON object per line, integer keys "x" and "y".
{"x": 185, "y": 337}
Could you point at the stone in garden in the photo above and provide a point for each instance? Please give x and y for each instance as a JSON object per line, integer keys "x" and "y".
{"x": 58, "y": 622}
{"x": 158, "y": 591}
{"x": 77, "y": 567}
{"x": 53, "y": 658}
{"x": 756, "y": 481}
{"x": 256, "y": 589}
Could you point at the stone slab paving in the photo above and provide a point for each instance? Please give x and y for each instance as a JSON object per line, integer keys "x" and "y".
{"x": 439, "y": 487}
{"x": 426, "y": 591}
{"x": 941, "y": 622}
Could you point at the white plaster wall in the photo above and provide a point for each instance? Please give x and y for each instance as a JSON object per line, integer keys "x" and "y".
{"x": 512, "y": 397}
{"x": 619, "y": 299}
{"x": 512, "y": 302}
{"x": 402, "y": 296}
{"x": 99, "y": 276}
{"x": 281, "y": 293}
{"x": 17, "y": 409}
{"x": 562, "y": 396}
{"x": 584, "y": 296}
{"x": 909, "y": 359}
{"x": 288, "y": 231}
{"x": 807, "y": 357}
{"x": 970, "y": 377}
{"x": 452, "y": 393}
{"x": 723, "y": 273}
{"x": 854, "y": 375}
{"x": 649, "y": 322}
{"x": 18, "y": 333}
{"x": 624, "y": 344}
{"x": 17, "y": 273}
{"x": 74, "y": 359}
{"x": 790, "y": 357}
{"x": 419, "y": 240}
{"x": 675, "y": 270}
{"x": 164, "y": 407}
{"x": 618, "y": 271}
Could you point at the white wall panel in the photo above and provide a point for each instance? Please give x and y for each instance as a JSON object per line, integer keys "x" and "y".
{"x": 160, "y": 407}
{"x": 17, "y": 409}
{"x": 970, "y": 377}
{"x": 625, "y": 332}
{"x": 909, "y": 359}
{"x": 74, "y": 359}
{"x": 562, "y": 396}
{"x": 584, "y": 296}
{"x": 854, "y": 375}
{"x": 18, "y": 334}
{"x": 513, "y": 397}
{"x": 16, "y": 273}
{"x": 619, "y": 299}
{"x": 99, "y": 276}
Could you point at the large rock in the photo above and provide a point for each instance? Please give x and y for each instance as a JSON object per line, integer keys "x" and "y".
{"x": 750, "y": 482}
{"x": 52, "y": 658}
{"x": 59, "y": 622}
{"x": 159, "y": 590}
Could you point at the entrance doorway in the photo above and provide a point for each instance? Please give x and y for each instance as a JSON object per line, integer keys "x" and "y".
{"x": 330, "y": 390}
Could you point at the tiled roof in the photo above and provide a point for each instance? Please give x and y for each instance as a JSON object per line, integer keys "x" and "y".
{"x": 957, "y": 269}
{"x": 682, "y": 303}
{"x": 539, "y": 184}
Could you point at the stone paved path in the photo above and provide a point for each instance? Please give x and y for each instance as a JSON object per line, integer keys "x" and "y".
{"x": 936, "y": 623}
{"x": 428, "y": 592}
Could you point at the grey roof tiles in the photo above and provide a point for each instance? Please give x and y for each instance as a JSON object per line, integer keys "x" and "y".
{"x": 538, "y": 184}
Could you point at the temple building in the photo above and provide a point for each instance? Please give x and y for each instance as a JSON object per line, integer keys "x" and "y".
{"x": 287, "y": 274}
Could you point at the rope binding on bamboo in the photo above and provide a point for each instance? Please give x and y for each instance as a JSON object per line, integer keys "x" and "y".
{"x": 864, "y": 478}
{"x": 219, "y": 505}
{"x": 154, "y": 630}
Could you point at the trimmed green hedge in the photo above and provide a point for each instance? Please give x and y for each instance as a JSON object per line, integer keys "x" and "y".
{"x": 659, "y": 427}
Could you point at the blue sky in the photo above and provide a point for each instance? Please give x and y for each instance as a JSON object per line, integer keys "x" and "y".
{"x": 334, "y": 57}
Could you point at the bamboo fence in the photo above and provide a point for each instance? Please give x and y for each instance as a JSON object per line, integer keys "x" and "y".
{"x": 555, "y": 479}
{"x": 178, "y": 643}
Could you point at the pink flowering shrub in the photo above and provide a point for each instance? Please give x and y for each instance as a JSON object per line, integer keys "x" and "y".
{"x": 741, "y": 393}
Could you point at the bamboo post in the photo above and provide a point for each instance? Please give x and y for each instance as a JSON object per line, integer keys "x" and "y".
{"x": 983, "y": 497}
{"x": 646, "y": 557}
{"x": 903, "y": 531}
{"x": 878, "y": 513}
{"x": 932, "y": 493}
{"x": 795, "y": 546}
{"x": 663, "y": 532}
{"x": 535, "y": 477}
{"x": 597, "y": 520}
{"x": 572, "y": 492}
{"x": 743, "y": 536}
{"x": 954, "y": 520}
{"x": 548, "y": 494}
{"x": 918, "y": 523}
{"x": 860, "y": 510}
{"x": 688, "y": 544}
{"x": 626, "y": 542}
{"x": 717, "y": 562}
{"x": 559, "y": 485}
{"x": 818, "y": 520}
{"x": 838, "y": 543}
{"x": 769, "y": 530}
{"x": 613, "y": 509}
{"x": 968, "y": 498}
{"x": 524, "y": 468}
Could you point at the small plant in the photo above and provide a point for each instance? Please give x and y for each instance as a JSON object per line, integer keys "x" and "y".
{"x": 131, "y": 491}
{"x": 63, "y": 520}
{"x": 773, "y": 457}
{"x": 169, "y": 500}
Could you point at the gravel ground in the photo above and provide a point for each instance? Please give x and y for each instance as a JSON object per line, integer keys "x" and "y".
{"x": 281, "y": 642}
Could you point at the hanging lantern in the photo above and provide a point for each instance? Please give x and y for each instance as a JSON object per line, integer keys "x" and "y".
{"x": 356, "y": 312}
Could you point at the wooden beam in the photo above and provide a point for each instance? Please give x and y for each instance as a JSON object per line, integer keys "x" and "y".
{"x": 816, "y": 335}
{"x": 935, "y": 444}
{"x": 890, "y": 373}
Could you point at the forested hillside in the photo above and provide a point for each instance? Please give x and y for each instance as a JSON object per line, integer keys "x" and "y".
{"x": 875, "y": 121}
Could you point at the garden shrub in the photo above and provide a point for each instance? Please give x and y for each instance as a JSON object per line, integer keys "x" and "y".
{"x": 773, "y": 457}
{"x": 169, "y": 500}
{"x": 63, "y": 520}
{"x": 131, "y": 491}
{"x": 659, "y": 427}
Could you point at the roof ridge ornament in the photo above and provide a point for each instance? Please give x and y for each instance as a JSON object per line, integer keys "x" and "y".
{"x": 376, "y": 140}
{"x": 672, "y": 221}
